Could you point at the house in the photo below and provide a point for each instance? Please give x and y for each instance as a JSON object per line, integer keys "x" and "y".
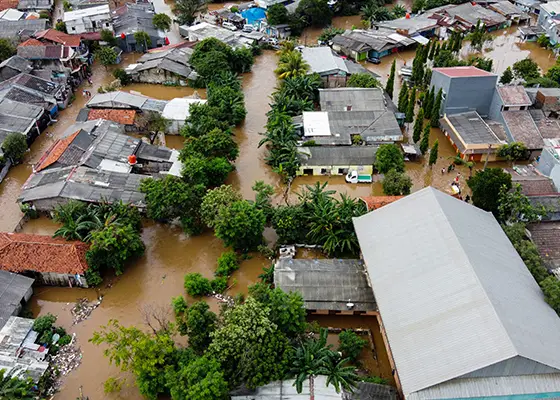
{"x": 469, "y": 14}
{"x": 164, "y": 67}
{"x": 546, "y": 236}
{"x": 549, "y": 19}
{"x": 131, "y": 18}
{"x": 20, "y": 356}
{"x": 50, "y": 261}
{"x": 335, "y": 160}
{"x": 375, "y": 202}
{"x": 35, "y": 5}
{"x": 92, "y": 19}
{"x": 529, "y": 6}
{"x": 11, "y": 14}
{"x": 25, "y": 88}
{"x": 510, "y": 11}
{"x": 123, "y": 117}
{"x": 454, "y": 305}
{"x": 177, "y": 111}
{"x": 333, "y": 69}
{"x": 548, "y": 163}
{"x": 548, "y": 100}
{"x": 204, "y": 30}
{"x": 13, "y": 66}
{"x": 22, "y": 29}
{"x": 123, "y": 100}
{"x": 464, "y": 89}
{"x": 313, "y": 278}
{"x": 15, "y": 292}
{"x": 530, "y": 33}
{"x": 280, "y": 31}
{"x": 358, "y": 44}
{"x": 81, "y": 4}
{"x": 420, "y": 25}
{"x": 314, "y": 388}
{"x": 28, "y": 119}
{"x": 471, "y": 136}
{"x": 520, "y": 127}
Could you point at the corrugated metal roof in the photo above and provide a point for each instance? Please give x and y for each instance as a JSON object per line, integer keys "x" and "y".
{"x": 342, "y": 156}
{"x": 322, "y": 60}
{"x": 13, "y": 288}
{"x": 454, "y": 295}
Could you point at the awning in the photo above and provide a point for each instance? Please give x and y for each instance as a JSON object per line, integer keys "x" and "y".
{"x": 420, "y": 39}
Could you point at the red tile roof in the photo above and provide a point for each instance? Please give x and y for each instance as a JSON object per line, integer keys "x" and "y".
{"x": 20, "y": 252}
{"x": 59, "y": 37}
{"x": 31, "y": 42}
{"x": 375, "y": 202}
{"x": 53, "y": 154}
{"x": 5, "y": 4}
{"x": 125, "y": 117}
{"x": 462, "y": 72}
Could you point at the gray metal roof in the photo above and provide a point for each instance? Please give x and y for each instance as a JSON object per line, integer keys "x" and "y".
{"x": 471, "y": 128}
{"x": 523, "y": 129}
{"x": 13, "y": 288}
{"x": 11, "y": 123}
{"x": 417, "y": 24}
{"x": 474, "y": 13}
{"x": 342, "y": 156}
{"x": 18, "y": 63}
{"x": 360, "y": 99}
{"x": 12, "y": 29}
{"x": 455, "y": 298}
{"x": 326, "y": 284}
{"x": 18, "y": 109}
{"x": 116, "y": 100}
{"x": 323, "y": 60}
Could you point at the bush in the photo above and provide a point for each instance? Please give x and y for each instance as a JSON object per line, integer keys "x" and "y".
{"x": 227, "y": 263}
{"x": 389, "y": 157}
{"x": 396, "y": 183}
{"x": 196, "y": 285}
{"x": 351, "y": 344}
{"x": 64, "y": 340}
{"x": 15, "y": 146}
{"x": 122, "y": 76}
{"x": 219, "y": 285}
{"x": 61, "y": 26}
{"x": 44, "y": 323}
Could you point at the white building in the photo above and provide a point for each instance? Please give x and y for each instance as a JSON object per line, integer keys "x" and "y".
{"x": 177, "y": 111}
{"x": 92, "y": 19}
{"x": 549, "y": 20}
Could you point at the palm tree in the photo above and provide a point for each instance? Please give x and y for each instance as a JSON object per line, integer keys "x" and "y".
{"x": 286, "y": 47}
{"x": 315, "y": 193}
{"x": 368, "y": 12}
{"x": 339, "y": 375}
{"x": 309, "y": 358}
{"x": 292, "y": 64}
{"x": 15, "y": 388}
{"x": 399, "y": 11}
{"x": 303, "y": 87}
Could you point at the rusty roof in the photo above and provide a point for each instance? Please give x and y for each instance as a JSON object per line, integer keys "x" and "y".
{"x": 5, "y": 4}
{"x": 59, "y": 37}
{"x": 514, "y": 96}
{"x": 53, "y": 154}
{"x": 20, "y": 252}
{"x": 125, "y": 117}
{"x": 375, "y": 202}
{"x": 523, "y": 128}
{"x": 31, "y": 42}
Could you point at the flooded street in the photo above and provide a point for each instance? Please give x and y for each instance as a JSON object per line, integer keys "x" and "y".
{"x": 170, "y": 254}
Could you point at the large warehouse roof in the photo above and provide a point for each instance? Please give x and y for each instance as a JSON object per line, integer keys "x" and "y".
{"x": 457, "y": 302}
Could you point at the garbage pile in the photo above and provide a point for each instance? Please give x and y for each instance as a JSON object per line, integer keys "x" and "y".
{"x": 63, "y": 362}
{"x": 83, "y": 309}
{"x": 222, "y": 298}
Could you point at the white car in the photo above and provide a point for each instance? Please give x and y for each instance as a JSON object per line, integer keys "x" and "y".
{"x": 229, "y": 25}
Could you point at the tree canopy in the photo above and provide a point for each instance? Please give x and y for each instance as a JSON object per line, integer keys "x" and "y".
{"x": 15, "y": 146}
{"x": 162, "y": 21}
{"x": 486, "y": 186}
{"x": 362, "y": 80}
{"x": 106, "y": 55}
{"x": 240, "y": 225}
{"x": 396, "y": 183}
{"x": 277, "y": 14}
{"x": 7, "y": 49}
{"x": 389, "y": 157}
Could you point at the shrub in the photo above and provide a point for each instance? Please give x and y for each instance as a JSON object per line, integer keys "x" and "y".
{"x": 44, "y": 323}
{"x": 15, "y": 146}
{"x": 351, "y": 344}
{"x": 196, "y": 285}
{"x": 227, "y": 263}
{"x": 396, "y": 183}
{"x": 122, "y": 76}
{"x": 219, "y": 285}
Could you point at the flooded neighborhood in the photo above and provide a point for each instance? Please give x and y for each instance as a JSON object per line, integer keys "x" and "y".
{"x": 282, "y": 200}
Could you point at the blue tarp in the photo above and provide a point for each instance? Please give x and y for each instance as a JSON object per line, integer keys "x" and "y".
{"x": 252, "y": 15}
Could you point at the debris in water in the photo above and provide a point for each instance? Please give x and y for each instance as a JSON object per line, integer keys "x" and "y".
{"x": 63, "y": 362}
{"x": 83, "y": 309}
{"x": 223, "y": 298}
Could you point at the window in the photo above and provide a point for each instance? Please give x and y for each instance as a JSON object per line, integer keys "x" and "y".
{"x": 308, "y": 171}
{"x": 73, "y": 28}
{"x": 107, "y": 24}
{"x": 506, "y": 108}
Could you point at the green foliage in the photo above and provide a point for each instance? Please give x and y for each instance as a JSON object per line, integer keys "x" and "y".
{"x": 396, "y": 183}
{"x": 418, "y": 126}
{"x": 214, "y": 201}
{"x": 106, "y": 56}
{"x": 44, "y": 323}
{"x": 479, "y": 37}
{"x": 14, "y": 146}
{"x": 215, "y": 143}
{"x": 267, "y": 275}
{"x": 526, "y": 69}
{"x": 403, "y": 98}
{"x": 418, "y": 66}
{"x": 513, "y": 151}
{"x": 12, "y": 387}
{"x": 263, "y": 198}
{"x": 418, "y": 5}
{"x": 389, "y": 157}
{"x": 249, "y": 347}
{"x": 7, "y": 49}
{"x": 112, "y": 385}
{"x": 542, "y": 82}
{"x": 399, "y": 11}
{"x": 287, "y": 310}
{"x": 389, "y": 87}
{"x": 362, "y": 80}
{"x": 202, "y": 119}
{"x": 122, "y": 76}
{"x": 375, "y": 12}
{"x": 486, "y": 186}
{"x": 170, "y": 198}
{"x": 66, "y": 5}
{"x": 374, "y": 379}
{"x": 212, "y": 59}
{"x": 196, "y": 285}
{"x": 480, "y": 62}
{"x": 143, "y": 39}
{"x": 329, "y": 33}
{"x": 162, "y": 21}
{"x": 315, "y": 12}
{"x": 60, "y": 26}
{"x": 291, "y": 65}
{"x": 551, "y": 289}
{"x": 428, "y": 103}
{"x": 228, "y": 101}
{"x": 201, "y": 379}
{"x": 434, "y": 153}
{"x": 108, "y": 37}
{"x": 200, "y": 323}
{"x": 287, "y": 222}
{"x": 434, "y": 120}
{"x": 514, "y": 206}
{"x": 179, "y": 305}
{"x": 543, "y": 40}
{"x": 507, "y": 76}
{"x": 240, "y": 225}
{"x": 186, "y": 10}
{"x": 277, "y": 14}
{"x": 227, "y": 263}
{"x": 425, "y": 142}
{"x": 350, "y": 344}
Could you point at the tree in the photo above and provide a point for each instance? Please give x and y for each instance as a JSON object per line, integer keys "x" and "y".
{"x": 418, "y": 5}
{"x": 389, "y": 88}
{"x": 350, "y": 344}
{"x": 15, "y": 146}
{"x": 7, "y": 49}
{"x": 434, "y": 121}
{"x": 309, "y": 357}
{"x": 551, "y": 289}
{"x": 162, "y": 21}
{"x": 200, "y": 323}
{"x": 286, "y": 221}
{"x": 418, "y": 126}
{"x": 215, "y": 143}
{"x": 106, "y": 55}
{"x": 12, "y": 387}
{"x": 513, "y": 151}
{"x": 249, "y": 347}
{"x": 243, "y": 59}
{"x": 553, "y": 73}
{"x": 399, "y": 11}
{"x": 434, "y": 153}
{"x": 429, "y": 102}
{"x": 240, "y": 225}
{"x": 486, "y": 186}
{"x": 229, "y": 102}
{"x": 227, "y": 263}
{"x": 60, "y": 26}
{"x": 362, "y": 80}
{"x": 507, "y": 76}
{"x": 431, "y": 54}
{"x": 541, "y": 81}
{"x": 396, "y": 183}
{"x": 214, "y": 201}
{"x": 403, "y": 98}
{"x": 315, "y": 12}
{"x": 291, "y": 65}
{"x": 108, "y": 37}
{"x": 187, "y": 10}
{"x": 200, "y": 379}
{"x": 481, "y": 62}
{"x": 124, "y": 79}
{"x": 526, "y": 69}
{"x": 527, "y": 250}
{"x": 514, "y": 206}
{"x": 418, "y": 66}
{"x": 543, "y": 40}
{"x": 329, "y": 33}
{"x": 410, "y": 106}
{"x": 277, "y": 14}
{"x": 196, "y": 285}
{"x": 479, "y": 36}
{"x": 389, "y": 157}
{"x": 340, "y": 375}
{"x": 143, "y": 39}
{"x": 425, "y": 142}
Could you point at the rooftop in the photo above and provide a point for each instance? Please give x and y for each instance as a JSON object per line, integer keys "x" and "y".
{"x": 86, "y": 12}
{"x": 546, "y": 237}
{"x": 59, "y": 37}
{"x": 472, "y": 13}
{"x": 179, "y": 108}
{"x": 535, "y": 185}
{"x": 417, "y": 24}
{"x": 337, "y": 155}
{"x": 515, "y": 96}
{"x": 326, "y": 284}
{"x": 13, "y": 288}
{"x": 504, "y": 7}
{"x": 375, "y": 202}
{"x": 352, "y": 99}
{"x": 21, "y": 252}
{"x": 457, "y": 286}
{"x": 552, "y": 7}
{"x": 125, "y": 117}
{"x": 462, "y": 72}
{"x": 10, "y": 29}
{"x": 17, "y": 63}
{"x": 469, "y": 129}
{"x": 323, "y": 60}
{"x": 523, "y": 129}
{"x": 125, "y": 100}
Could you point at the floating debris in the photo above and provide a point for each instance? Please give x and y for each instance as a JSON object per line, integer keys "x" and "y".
{"x": 83, "y": 309}
{"x": 224, "y": 298}
{"x": 62, "y": 363}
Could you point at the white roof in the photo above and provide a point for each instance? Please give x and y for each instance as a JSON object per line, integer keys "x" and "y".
{"x": 11, "y": 14}
{"x": 454, "y": 295}
{"x": 420, "y": 39}
{"x": 114, "y": 166}
{"x": 86, "y": 12}
{"x": 178, "y": 109}
{"x": 552, "y": 7}
{"x": 322, "y": 59}
{"x": 316, "y": 123}
{"x": 177, "y": 166}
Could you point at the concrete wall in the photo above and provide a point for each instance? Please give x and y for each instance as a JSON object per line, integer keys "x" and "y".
{"x": 53, "y": 279}
{"x": 333, "y": 169}
{"x": 471, "y": 93}
{"x": 550, "y": 166}
{"x": 93, "y": 23}
{"x": 495, "y": 111}
{"x": 440, "y": 81}
{"x": 157, "y": 75}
